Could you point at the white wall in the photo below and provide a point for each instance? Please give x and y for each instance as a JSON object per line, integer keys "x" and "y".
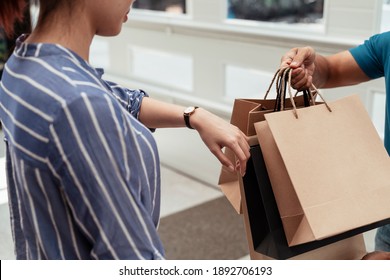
{"x": 202, "y": 59}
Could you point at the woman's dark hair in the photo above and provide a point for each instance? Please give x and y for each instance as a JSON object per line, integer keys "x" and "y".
{"x": 11, "y": 11}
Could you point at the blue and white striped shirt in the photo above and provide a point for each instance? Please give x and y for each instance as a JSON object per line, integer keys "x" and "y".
{"x": 83, "y": 173}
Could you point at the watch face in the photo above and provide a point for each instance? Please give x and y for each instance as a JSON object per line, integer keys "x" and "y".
{"x": 189, "y": 110}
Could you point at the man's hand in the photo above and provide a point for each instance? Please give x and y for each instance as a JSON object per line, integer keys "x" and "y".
{"x": 301, "y": 60}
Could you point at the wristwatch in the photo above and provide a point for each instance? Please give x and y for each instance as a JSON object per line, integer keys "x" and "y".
{"x": 187, "y": 113}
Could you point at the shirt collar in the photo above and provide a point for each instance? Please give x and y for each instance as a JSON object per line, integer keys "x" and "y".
{"x": 24, "y": 49}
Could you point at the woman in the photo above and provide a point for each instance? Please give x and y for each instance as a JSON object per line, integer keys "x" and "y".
{"x": 82, "y": 164}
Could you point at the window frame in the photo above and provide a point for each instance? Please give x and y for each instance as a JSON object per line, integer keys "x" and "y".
{"x": 221, "y": 22}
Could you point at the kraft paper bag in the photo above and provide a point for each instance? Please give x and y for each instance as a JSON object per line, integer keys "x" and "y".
{"x": 229, "y": 181}
{"x": 264, "y": 226}
{"x": 246, "y": 112}
{"x": 329, "y": 170}
{"x": 264, "y": 230}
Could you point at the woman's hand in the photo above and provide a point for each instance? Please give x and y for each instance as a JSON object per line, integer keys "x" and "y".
{"x": 216, "y": 133}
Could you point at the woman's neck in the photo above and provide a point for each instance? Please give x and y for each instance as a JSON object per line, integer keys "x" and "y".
{"x": 75, "y": 35}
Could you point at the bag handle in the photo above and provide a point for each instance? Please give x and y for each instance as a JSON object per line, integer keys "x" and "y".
{"x": 282, "y": 84}
{"x": 311, "y": 92}
{"x": 282, "y": 78}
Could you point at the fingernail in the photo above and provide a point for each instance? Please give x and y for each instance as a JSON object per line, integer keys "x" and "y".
{"x": 231, "y": 168}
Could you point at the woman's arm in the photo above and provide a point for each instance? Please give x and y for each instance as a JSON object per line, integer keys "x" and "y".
{"x": 215, "y": 132}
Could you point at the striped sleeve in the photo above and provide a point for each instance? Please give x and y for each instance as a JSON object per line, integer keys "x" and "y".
{"x": 130, "y": 99}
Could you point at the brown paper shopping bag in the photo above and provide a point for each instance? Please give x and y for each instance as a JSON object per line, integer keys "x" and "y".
{"x": 264, "y": 227}
{"x": 328, "y": 168}
{"x": 245, "y": 113}
{"x": 266, "y": 238}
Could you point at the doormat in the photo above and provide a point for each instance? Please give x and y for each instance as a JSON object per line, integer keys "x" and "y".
{"x": 210, "y": 231}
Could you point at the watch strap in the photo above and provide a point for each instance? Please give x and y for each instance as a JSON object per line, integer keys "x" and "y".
{"x": 187, "y": 118}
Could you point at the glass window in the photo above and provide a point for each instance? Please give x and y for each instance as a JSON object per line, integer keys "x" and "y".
{"x": 286, "y": 11}
{"x": 169, "y": 6}
{"x": 385, "y": 16}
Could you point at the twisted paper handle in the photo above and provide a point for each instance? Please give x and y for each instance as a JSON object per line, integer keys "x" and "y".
{"x": 285, "y": 74}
